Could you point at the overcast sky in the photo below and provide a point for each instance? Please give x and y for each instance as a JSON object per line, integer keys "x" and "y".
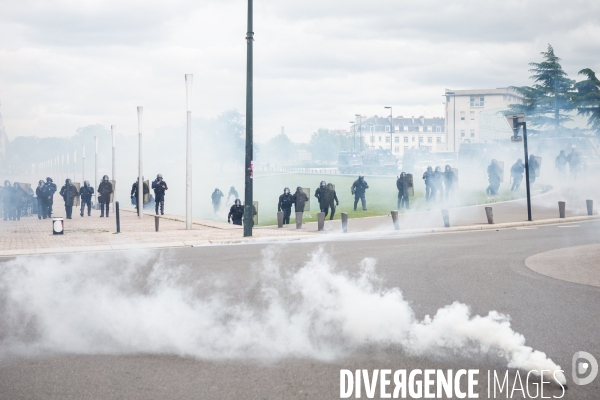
{"x": 66, "y": 64}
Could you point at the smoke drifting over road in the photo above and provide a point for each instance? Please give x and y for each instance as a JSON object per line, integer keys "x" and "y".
{"x": 129, "y": 303}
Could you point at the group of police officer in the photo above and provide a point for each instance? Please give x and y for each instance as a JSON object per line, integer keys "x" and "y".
{"x": 438, "y": 184}
{"x": 14, "y": 200}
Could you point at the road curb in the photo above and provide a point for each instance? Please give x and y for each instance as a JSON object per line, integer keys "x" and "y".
{"x": 291, "y": 238}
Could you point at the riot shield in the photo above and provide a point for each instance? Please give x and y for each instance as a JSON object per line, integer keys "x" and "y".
{"x": 501, "y": 165}
{"x": 307, "y": 205}
{"x": 112, "y": 195}
{"x": 411, "y": 187}
{"x": 25, "y": 186}
{"x": 455, "y": 178}
{"x": 146, "y": 196}
{"x": 537, "y": 170}
{"x": 255, "y": 216}
{"x": 76, "y": 200}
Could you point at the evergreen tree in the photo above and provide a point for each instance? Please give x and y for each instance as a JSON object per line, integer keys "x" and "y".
{"x": 587, "y": 99}
{"x": 547, "y": 102}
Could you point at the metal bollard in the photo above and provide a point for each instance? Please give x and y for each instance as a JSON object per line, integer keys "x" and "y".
{"x": 446, "y": 218}
{"x": 490, "y": 215}
{"x": 299, "y": 220}
{"x": 156, "y": 221}
{"x": 344, "y": 222}
{"x": 561, "y": 209}
{"x": 395, "y": 220}
{"x": 280, "y": 219}
{"x": 590, "y": 206}
{"x": 321, "y": 221}
{"x": 118, "y": 215}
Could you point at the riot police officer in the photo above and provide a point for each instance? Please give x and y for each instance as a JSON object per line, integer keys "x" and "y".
{"x": 330, "y": 200}
{"x": 429, "y": 184}
{"x": 216, "y": 199}
{"x": 7, "y": 200}
{"x": 449, "y": 179}
{"x": 19, "y": 200}
{"x": 86, "y": 192}
{"x": 320, "y": 195}
{"x": 48, "y": 190}
{"x": 134, "y": 193}
{"x": 299, "y": 199}
{"x": 105, "y": 189}
{"x": 561, "y": 164}
{"x": 236, "y": 213}
{"x": 358, "y": 190}
{"x": 516, "y": 172}
{"x": 285, "y": 205}
{"x": 402, "y": 183}
{"x": 68, "y": 193}
{"x": 534, "y": 165}
{"x": 159, "y": 186}
{"x": 494, "y": 178}
{"x": 437, "y": 182}
{"x": 40, "y": 200}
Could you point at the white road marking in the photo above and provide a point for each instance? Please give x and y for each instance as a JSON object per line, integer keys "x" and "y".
{"x": 568, "y": 226}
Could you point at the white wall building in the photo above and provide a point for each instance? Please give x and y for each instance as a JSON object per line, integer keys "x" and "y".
{"x": 409, "y": 133}
{"x": 477, "y": 115}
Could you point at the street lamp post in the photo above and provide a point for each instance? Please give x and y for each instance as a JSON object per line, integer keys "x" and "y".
{"x": 188, "y": 153}
{"x": 83, "y": 163}
{"x": 140, "y": 191}
{"x": 359, "y": 130}
{"x": 248, "y": 195}
{"x": 113, "y": 130}
{"x": 96, "y": 171}
{"x": 391, "y": 130}
{"x": 518, "y": 120}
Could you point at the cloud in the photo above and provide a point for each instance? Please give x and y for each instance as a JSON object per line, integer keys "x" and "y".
{"x": 66, "y": 64}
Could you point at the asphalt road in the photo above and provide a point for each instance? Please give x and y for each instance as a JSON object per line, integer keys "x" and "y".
{"x": 484, "y": 269}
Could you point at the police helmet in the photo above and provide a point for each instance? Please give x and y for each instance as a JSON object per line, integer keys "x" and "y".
{"x": 448, "y": 168}
{"x": 286, "y": 190}
{"x": 86, "y": 183}
{"x": 238, "y": 202}
{"x": 329, "y": 184}
{"x": 159, "y": 176}
{"x": 48, "y": 179}
{"x": 361, "y": 177}
{"x": 299, "y": 188}
{"x": 67, "y": 181}
{"x": 323, "y": 183}
{"x": 429, "y": 168}
{"x": 402, "y": 174}
{"x": 438, "y": 169}
{"x": 520, "y": 161}
{"x": 105, "y": 178}
{"x": 41, "y": 181}
{"x": 6, "y": 183}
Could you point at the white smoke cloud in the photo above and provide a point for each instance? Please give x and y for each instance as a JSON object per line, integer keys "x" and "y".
{"x": 129, "y": 303}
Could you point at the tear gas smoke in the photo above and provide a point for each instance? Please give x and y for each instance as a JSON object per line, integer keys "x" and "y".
{"x": 128, "y": 303}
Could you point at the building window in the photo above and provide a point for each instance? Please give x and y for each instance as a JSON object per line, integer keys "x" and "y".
{"x": 420, "y": 139}
{"x": 396, "y": 149}
{"x": 387, "y": 128}
{"x": 372, "y": 128}
{"x": 477, "y": 101}
{"x": 438, "y": 139}
{"x": 405, "y": 128}
{"x": 472, "y": 133}
{"x": 472, "y": 114}
{"x": 438, "y": 128}
{"x": 405, "y": 147}
{"x": 405, "y": 139}
{"x": 413, "y": 138}
{"x": 462, "y": 133}
{"x": 462, "y": 115}
{"x": 429, "y": 139}
{"x": 397, "y": 139}
{"x": 429, "y": 129}
{"x": 387, "y": 139}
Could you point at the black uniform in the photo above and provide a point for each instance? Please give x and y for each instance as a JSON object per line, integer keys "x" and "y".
{"x": 437, "y": 180}
{"x": 402, "y": 183}
{"x": 232, "y": 193}
{"x": 574, "y": 160}
{"x": 19, "y": 200}
{"x": 494, "y": 172}
{"x": 69, "y": 193}
{"x": 561, "y": 164}
{"x": 516, "y": 171}
{"x": 216, "y": 199}
{"x": 319, "y": 194}
{"x": 299, "y": 199}
{"x": 134, "y": 194}
{"x": 159, "y": 195}
{"x": 236, "y": 213}
{"x": 429, "y": 184}
{"x": 533, "y": 166}
{"x": 330, "y": 200}
{"x": 40, "y": 201}
{"x": 105, "y": 189}
{"x": 285, "y": 204}
{"x": 48, "y": 190}
{"x": 86, "y": 193}
{"x": 449, "y": 178}
{"x": 358, "y": 190}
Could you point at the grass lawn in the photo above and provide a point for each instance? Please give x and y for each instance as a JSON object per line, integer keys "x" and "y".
{"x": 381, "y": 196}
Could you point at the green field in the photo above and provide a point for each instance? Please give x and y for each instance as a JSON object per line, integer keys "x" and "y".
{"x": 381, "y": 196}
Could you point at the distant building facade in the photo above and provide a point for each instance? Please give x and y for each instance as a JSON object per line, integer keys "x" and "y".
{"x": 3, "y": 142}
{"x": 478, "y": 115}
{"x": 408, "y": 133}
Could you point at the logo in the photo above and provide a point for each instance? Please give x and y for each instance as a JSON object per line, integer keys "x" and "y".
{"x": 581, "y": 368}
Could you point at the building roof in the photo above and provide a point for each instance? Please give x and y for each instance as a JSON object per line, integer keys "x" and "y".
{"x": 401, "y": 121}
{"x": 483, "y": 92}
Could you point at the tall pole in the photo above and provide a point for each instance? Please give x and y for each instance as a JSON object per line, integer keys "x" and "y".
{"x": 75, "y": 165}
{"x": 454, "y": 122}
{"x": 391, "y": 130}
{"x": 359, "y": 130}
{"x": 113, "y": 131}
{"x": 96, "y": 171}
{"x": 83, "y": 164}
{"x": 140, "y": 192}
{"x": 527, "y": 171}
{"x": 188, "y": 153}
{"x": 353, "y": 135}
{"x": 248, "y": 207}
{"x": 68, "y": 169}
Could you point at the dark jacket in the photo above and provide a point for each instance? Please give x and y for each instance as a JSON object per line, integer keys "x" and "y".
{"x": 402, "y": 185}
{"x": 69, "y": 193}
{"x": 19, "y": 197}
{"x": 134, "y": 189}
{"x": 104, "y": 191}
{"x": 236, "y": 212}
{"x": 48, "y": 191}
{"x": 299, "y": 199}
{"x": 159, "y": 188}
{"x": 428, "y": 177}
{"x": 285, "y": 201}
{"x": 86, "y": 193}
{"x": 319, "y": 193}
{"x": 449, "y": 178}
{"x": 494, "y": 171}
{"x": 561, "y": 162}
{"x": 359, "y": 187}
{"x": 38, "y": 193}
{"x": 329, "y": 196}
{"x": 216, "y": 197}
{"x": 7, "y": 194}
{"x": 516, "y": 171}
